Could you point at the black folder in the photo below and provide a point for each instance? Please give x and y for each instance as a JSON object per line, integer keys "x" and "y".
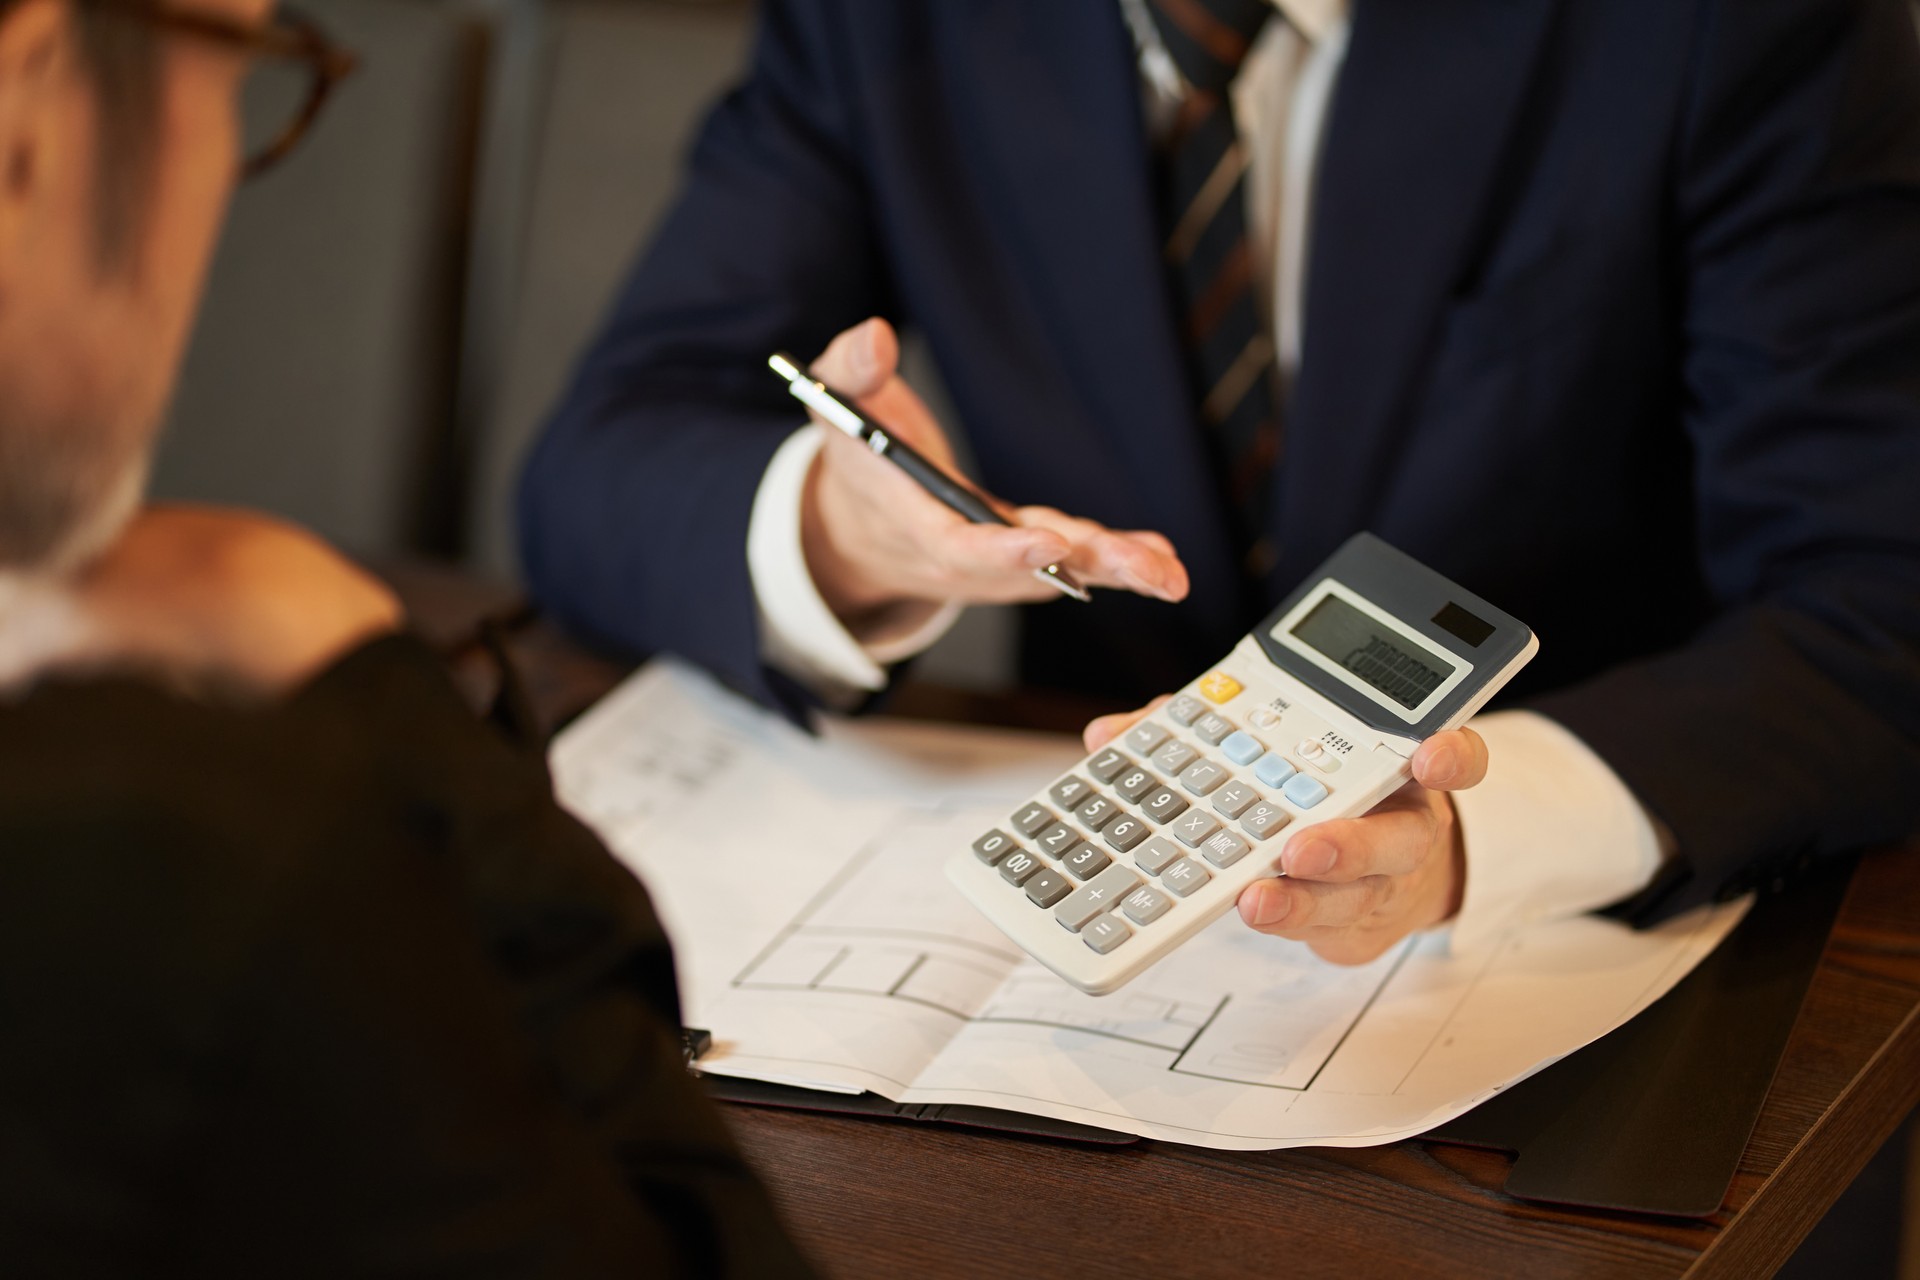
{"x": 1653, "y": 1118}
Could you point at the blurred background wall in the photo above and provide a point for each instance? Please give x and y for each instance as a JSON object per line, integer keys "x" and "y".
{"x": 395, "y": 311}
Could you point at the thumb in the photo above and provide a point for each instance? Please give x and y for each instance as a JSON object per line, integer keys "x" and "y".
{"x": 861, "y": 360}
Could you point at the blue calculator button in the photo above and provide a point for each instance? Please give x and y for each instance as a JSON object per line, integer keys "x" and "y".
{"x": 1274, "y": 771}
{"x": 1242, "y": 747}
{"x": 1305, "y": 791}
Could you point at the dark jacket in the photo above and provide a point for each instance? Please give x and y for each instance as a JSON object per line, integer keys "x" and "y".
{"x": 335, "y": 990}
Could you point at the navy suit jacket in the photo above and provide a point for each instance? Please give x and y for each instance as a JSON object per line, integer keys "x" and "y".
{"x": 1613, "y": 316}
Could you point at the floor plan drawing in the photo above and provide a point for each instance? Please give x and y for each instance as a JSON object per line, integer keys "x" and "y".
{"x": 818, "y": 940}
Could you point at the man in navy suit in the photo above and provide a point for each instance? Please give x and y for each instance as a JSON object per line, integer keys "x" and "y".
{"x": 1608, "y": 310}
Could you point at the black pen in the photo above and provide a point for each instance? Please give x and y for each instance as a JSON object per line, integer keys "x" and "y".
{"x": 950, "y": 491}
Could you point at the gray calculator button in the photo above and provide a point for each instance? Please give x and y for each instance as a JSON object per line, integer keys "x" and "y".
{"x": 1135, "y": 783}
{"x": 1202, "y": 776}
{"x": 1213, "y": 728}
{"x": 1126, "y": 831}
{"x": 1032, "y": 819}
{"x": 1263, "y": 820}
{"x": 1096, "y": 813}
{"x": 1145, "y": 904}
{"x": 1144, "y": 737}
{"x": 1163, "y": 805}
{"x": 1019, "y": 866}
{"x": 1185, "y": 709}
{"x": 1047, "y": 888}
{"x": 1108, "y": 765}
{"x": 1057, "y": 841}
{"x": 1103, "y": 894}
{"x": 1154, "y": 856}
{"x": 1193, "y": 826}
{"x": 1106, "y": 933}
{"x": 1070, "y": 791}
{"x": 1234, "y": 798}
{"x": 1086, "y": 862}
{"x": 993, "y": 846}
{"x": 1173, "y": 758}
{"x": 1224, "y": 848}
{"x": 1184, "y": 876}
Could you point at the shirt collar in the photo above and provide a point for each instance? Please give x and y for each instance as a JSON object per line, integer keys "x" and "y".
{"x": 1313, "y": 18}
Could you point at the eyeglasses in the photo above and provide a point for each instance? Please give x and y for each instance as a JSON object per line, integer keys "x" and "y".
{"x": 306, "y": 66}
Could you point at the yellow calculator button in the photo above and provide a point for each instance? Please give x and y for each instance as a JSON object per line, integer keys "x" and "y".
{"x": 1220, "y": 687}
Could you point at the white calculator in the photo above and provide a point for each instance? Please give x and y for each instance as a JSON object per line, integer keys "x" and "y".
{"x": 1315, "y": 715}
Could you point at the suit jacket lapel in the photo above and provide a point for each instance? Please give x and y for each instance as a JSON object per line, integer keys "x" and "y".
{"x": 1428, "y": 104}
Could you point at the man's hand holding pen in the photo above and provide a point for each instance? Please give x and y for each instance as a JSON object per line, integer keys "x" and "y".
{"x": 881, "y": 548}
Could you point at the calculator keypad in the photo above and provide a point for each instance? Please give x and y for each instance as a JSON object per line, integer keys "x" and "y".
{"x": 1199, "y": 804}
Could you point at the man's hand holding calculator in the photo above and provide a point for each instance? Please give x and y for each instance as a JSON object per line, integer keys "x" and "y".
{"x": 1356, "y": 886}
{"x": 1319, "y": 751}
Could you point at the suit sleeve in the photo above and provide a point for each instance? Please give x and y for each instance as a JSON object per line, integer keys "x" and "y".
{"x": 1790, "y": 727}
{"x": 634, "y": 506}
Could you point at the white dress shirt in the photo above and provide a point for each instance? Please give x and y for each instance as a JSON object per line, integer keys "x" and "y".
{"x": 1552, "y": 831}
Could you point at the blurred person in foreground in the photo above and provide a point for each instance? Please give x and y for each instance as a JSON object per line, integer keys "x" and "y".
{"x": 302, "y": 971}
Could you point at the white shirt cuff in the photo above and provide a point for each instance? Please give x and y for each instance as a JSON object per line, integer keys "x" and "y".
{"x": 799, "y": 634}
{"x": 1550, "y": 833}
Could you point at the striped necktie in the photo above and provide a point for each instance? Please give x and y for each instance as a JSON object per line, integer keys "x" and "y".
{"x": 1230, "y": 353}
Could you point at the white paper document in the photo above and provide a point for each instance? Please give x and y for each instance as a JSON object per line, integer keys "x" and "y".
{"x": 819, "y": 941}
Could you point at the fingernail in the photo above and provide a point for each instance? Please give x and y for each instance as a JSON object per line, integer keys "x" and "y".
{"x": 1442, "y": 765}
{"x": 866, "y": 354}
{"x": 1315, "y": 858}
{"x": 1042, "y": 554}
{"x": 1142, "y": 583}
{"x": 1273, "y": 905}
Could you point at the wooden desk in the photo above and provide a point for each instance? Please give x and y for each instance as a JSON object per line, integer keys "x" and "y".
{"x": 877, "y": 1198}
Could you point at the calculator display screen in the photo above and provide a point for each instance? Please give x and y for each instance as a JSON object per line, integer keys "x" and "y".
{"x": 1398, "y": 666}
